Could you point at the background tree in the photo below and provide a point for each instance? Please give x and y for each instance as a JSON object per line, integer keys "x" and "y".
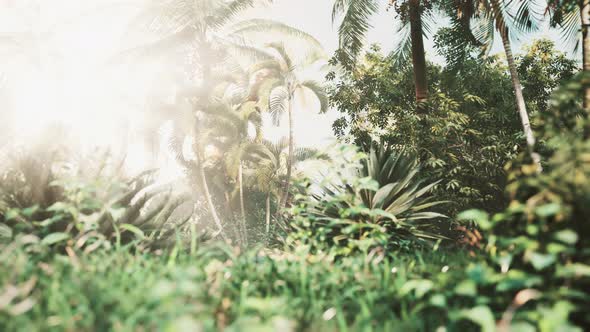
{"x": 271, "y": 171}
{"x": 489, "y": 16}
{"x": 356, "y": 15}
{"x": 283, "y": 83}
{"x": 473, "y": 126}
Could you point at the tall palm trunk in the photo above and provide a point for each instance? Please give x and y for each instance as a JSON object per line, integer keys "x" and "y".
{"x": 242, "y": 208}
{"x": 228, "y": 207}
{"x": 267, "y": 213}
{"x": 585, "y": 15}
{"x": 524, "y": 117}
{"x": 199, "y": 154}
{"x": 283, "y": 201}
{"x": 208, "y": 197}
{"x": 418, "y": 55}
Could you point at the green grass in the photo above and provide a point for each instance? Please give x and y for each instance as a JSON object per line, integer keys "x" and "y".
{"x": 215, "y": 288}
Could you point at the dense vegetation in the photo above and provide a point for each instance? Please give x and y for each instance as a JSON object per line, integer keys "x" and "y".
{"x": 456, "y": 197}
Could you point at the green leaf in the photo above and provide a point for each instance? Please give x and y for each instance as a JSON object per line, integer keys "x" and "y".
{"x": 466, "y": 288}
{"x": 541, "y": 261}
{"x": 133, "y": 229}
{"x": 574, "y": 270}
{"x": 438, "y": 300}
{"x": 28, "y": 212}
{"x": 5, "y": 231}
{"x": 548, "y": 210}
{"x": 54, "y": 238}
{"x": 421, "y": 286}
{"x": 482, "y": 316}
{"x": 58, "y": 206}
{"x": 567, "y": 236}
{"x": 479, "y": 216}
{"x": 50, "y": 221}
{"x": 11, "y": 214}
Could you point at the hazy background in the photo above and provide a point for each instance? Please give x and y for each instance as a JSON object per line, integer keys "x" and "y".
{"x": 61, "y": 63}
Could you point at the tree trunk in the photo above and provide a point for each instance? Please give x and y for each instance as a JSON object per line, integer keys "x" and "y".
{"x": 283, "y": 201}
{"x": 524, "y": 117}
{"x": 418, "y": 55}
{"x": 232, "y": 217}
{"x": 242, "y": 208}
{"x": 585, "y": 16}
{"x": 267, "y": 214}
{"x": 208, "y": 197}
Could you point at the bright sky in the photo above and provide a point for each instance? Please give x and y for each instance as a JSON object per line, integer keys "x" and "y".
{"x": 73, "y": 39}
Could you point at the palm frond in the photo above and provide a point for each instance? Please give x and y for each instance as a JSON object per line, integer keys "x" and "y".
{"x": 229, "y": 10}
{"x": 568, "y": 19}
{"x": 278, "y": 104}
{"x": 354, "y": 25}
{"x": 319, "y": 91}
{"x": 244, "y": 28}
{"x": 285, "y": 58}
{"x": 403, "y": 50}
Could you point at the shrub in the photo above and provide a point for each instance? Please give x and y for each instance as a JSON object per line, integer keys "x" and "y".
{"x": 540, "y": 242}
{"x": 68, "y": 203}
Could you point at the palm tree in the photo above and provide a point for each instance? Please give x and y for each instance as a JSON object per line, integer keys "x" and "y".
{"x": 232, "y": 139}
{"x": 202, "y": 25}
{"x": 491, "y": 16}
{"x": 355, "y": 24}
{"x": 198, "y": 24}
{"x": 270, "y": 171}
{"x": 280, "y": 85}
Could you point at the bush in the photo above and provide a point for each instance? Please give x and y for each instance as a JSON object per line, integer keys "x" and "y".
{"x": 540, "y": 242}
{"x": 67, "y": 203}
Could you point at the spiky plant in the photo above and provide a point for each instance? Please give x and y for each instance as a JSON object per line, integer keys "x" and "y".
{"x": 383, "y": 201}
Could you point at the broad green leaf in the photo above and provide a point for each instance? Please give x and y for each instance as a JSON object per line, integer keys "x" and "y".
{"x": 58, "y": 206}
{"x": 466, "y": 288}
{"x": 5, "y": 231}
{"x": 548, "y": 210}
{"x": 482, "y": 316}
{"x": 11, "y": 214}
{"x": 479, "y": 216}
{"x": 420, "y": 286}
{"x": 541, "y": 261}
{"x": 133, "y": 229}
{"x": 574, "y": 270}
{"x": 50, "y": 221}
{"x": 54, "y": 238}
{"x": 567, "y": 236}
{"x": 28, "y": 212}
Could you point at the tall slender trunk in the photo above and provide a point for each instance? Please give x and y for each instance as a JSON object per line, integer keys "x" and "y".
{"x": 242, "y": 208}
{"x": 267, "y": 213}
{"x": 524, "y": 117}
{"x": 283, "y": 201}
{"x": 206, "y": 49}
{"x": 585, "y": 16}
{"x": 418, "y": 55}
{"x": 235, "y": 230}
{"x": 208, "y": 197}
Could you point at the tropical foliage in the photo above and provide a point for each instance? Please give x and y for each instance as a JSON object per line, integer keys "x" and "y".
{"x": 368, "y": 200}
{"x": 471, "y": 130}
{"x": 455, "y": 197}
